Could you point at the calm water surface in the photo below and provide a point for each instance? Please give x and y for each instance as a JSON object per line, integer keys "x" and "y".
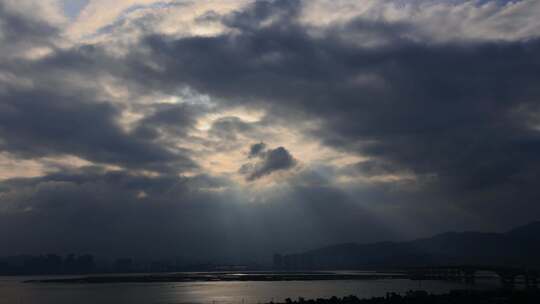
{"x": 13, "y": 291}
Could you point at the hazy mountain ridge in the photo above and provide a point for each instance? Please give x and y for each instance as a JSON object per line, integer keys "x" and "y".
{"x": 517, "y": 247}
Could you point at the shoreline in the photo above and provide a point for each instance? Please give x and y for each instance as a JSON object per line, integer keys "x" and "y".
{"x": 218, "y": 277}
{"x": 499, "y": 296}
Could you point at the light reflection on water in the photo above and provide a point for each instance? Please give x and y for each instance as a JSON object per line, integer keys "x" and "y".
{"x": 12, "y": 291}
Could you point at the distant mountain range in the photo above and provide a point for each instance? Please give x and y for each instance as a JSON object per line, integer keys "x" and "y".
{"x": 519, "y": 247}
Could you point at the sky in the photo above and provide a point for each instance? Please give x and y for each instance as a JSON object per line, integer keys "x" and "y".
{"x": 230, "y": 130}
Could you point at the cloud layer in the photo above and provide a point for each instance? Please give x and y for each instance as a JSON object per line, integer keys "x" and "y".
{"x": 347, "y": 121}
{"x": 270, "y": 160}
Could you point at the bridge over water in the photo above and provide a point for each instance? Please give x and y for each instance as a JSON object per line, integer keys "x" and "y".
{"x": 467, "y": 273}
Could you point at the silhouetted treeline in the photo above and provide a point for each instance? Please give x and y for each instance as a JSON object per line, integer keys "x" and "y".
{"x": 422, "y": 297}
{"x": 47, "y": 264}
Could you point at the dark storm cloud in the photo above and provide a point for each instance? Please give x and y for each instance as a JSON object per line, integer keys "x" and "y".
{"x": 460, "y": 112}
{"x": 174, "y": 119}
{"x": 107, "y": 213}
{"x": 19, "y": 32}
{"x": 41, "y": 123}
{"x": 91, "y": 210}
{"x": 376, "y": 168}
{"x": 274, "y": 159}
{"x": 270, "y": 160}
{"x": 461, "y": 116}
{"x": 256, "y": 149}
{"x": 50, "y": 106}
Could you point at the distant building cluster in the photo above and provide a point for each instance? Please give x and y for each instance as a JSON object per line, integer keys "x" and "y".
{"x": 47, "y": 264}
{"x": 88, "y": 264}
